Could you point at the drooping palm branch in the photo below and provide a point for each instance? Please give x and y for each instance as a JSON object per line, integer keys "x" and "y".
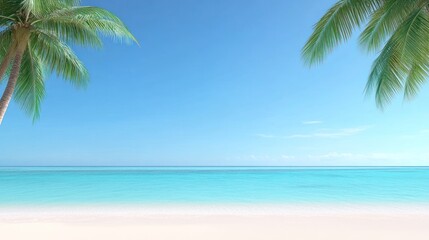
{"x": 399, "y": 29}
{"x": 34, "y": 39}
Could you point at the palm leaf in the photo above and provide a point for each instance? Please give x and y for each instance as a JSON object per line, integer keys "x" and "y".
{"x": 58, "y": 57}
{"x": 74, "y": 32}
{"x": 418, "y": 75}
{"x": 94, "y": 18}
{"x": 5, "y": 43}
{"x": 39, "y": 8}
{"x": 30, "y": 87}
{"x": 9, "y": 7}
{"x": 336, "y": 26}
{"x": 405, "y": 51}
{"x": 385, "y": 20}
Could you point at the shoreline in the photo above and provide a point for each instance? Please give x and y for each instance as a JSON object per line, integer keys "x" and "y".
{"x": 140, "y": 211}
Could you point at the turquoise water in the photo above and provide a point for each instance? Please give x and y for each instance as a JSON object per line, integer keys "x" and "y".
{"x": 195, "y": 185}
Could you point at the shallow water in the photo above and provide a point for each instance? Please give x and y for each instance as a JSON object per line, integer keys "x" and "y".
{"x": 45, "y": 186}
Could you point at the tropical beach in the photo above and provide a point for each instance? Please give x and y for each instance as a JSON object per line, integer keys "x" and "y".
{"x": 190, "y": 119}
{"x": 213, "y": 203}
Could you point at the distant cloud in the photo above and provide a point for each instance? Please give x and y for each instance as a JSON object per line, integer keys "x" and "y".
{"x": 264, "y": 158}
{"x": 368, "y": 157}
{"x": 336, "y": 158}
{"x": 418, "y": 134}
{"x": 287, "y": 157}
{"x": 261, "y": 135}
{"x": 321, "y": 133}
{"x": 331, "y": 133}
{"x": 312, "y": 122}
{"x": 355, "y": 156}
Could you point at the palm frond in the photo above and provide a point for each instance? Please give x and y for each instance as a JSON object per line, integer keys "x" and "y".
{"x": 9, "y": 7}
{"x": 416, "y": 78}
{"x": 385, "y": 79}
{"x": 336, "y": 26}
{"x": 384, "y": 22}
{"x": 30, "y": 87}
{"x": 58, "y": 57}
{"x": 40, "y": 8}
{"x": 8, "y": 10}
{"x": 96, "y": 19}
{"x": 74, "y": 32}
{"x": 404, "y": 52}
{"x": 5, "y": 43}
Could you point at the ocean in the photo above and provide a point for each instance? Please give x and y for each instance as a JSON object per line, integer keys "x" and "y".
{"x": 53, "y": 186}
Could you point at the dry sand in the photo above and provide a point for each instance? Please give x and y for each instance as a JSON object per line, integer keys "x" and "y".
{"x": 80, "y": 224}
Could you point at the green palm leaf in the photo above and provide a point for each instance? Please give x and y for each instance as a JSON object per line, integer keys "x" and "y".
{"x": 5, "y": 43}
{"x": 72, "y": 32}
{"x": 336, "y": 26}
{"x": 416, "y": 78}
{"x": 58, "y": 57}
{"x": 8, "y": 9}
{"x": 405, "y": 51}
{"x": 41, "y": 7}
{"x": 30, "y": 88}
{"x": 93, "y": 18}
{"x": 402, "y": 64}
{"x": 384, "y": 22}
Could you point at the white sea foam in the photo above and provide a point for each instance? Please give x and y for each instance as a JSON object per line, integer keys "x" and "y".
{"x": 86, "y": 212}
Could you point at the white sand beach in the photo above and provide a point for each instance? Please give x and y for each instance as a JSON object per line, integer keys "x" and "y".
{"x": 220, "y": 223}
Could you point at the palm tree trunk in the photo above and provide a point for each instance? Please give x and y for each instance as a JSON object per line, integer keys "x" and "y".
{"x": 21, "y": 38}
{"x": 10, "y": 87}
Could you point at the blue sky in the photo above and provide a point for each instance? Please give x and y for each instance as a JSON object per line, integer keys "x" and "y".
{"x": 218, "y": 83}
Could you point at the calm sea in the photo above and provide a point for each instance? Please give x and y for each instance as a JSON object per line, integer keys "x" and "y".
{"x": 201, "y": 185}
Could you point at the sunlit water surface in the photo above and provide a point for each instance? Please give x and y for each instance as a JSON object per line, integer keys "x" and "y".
{"x": 49, "y": 186}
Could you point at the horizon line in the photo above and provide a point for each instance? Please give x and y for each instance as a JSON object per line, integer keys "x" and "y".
{"x": 213, "y": 166}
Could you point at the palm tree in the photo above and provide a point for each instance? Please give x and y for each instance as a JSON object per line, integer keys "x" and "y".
{"x": 398, "y": 29}
{"x": 34, "y": 38}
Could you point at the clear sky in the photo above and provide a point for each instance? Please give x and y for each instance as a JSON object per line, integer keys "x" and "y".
{"x": 218, "y": 83}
